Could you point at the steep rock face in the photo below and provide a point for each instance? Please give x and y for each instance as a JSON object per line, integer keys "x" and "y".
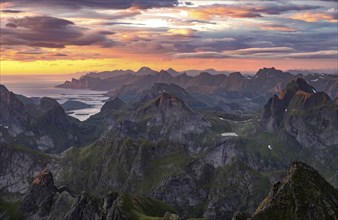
{"x": 307, "y": 115}
{"x": 174, "y": 90}
{"x": 310, "y": 118}
{"x": 45, "y": 201}
{"x": 39, "y": 124}
{"x": 236, "y": 188}
{"x": 205, "y": 79}
{"x": 163, "y": 117}
{"x": 234, "y": 82}
{"x": 19, "y": 166}
{"x": 273, "y": 113}
{"x": 303, "y": 194}
{"x": 83, "y": 83}
{"x": 173, "y": 116}
{"x": 227, "y": 152}
{"x": 11, "y": 117}
{"x": 111, "y": 105}
{"x": 186, "y": 190}
{"x": 37, "y": 202}
{"x": 86, "y": 208}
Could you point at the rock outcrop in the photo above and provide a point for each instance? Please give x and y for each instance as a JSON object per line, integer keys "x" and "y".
{"x": 310, "y": 118}
{"x": 19, "y": 166}
{"x": 45, "y": 201}
{"x": 41, "y": 125}
{"x": 165, "y": 117}
{"x": 303, "y": 194}
{"x": 236, "y": 187}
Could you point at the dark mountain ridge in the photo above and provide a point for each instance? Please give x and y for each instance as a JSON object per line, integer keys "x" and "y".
{"x": 44, "y": 126}
{"x": 215, "y": 90}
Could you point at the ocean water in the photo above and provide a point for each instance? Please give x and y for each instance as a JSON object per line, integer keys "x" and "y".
{"x": 44, "y": 86}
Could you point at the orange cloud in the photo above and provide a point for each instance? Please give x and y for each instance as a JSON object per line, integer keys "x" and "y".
{"x": 182, "y": 32}
{"x": 221, "y": 11}
{"x": 283, "y": 28}
{"x": 316, "y": 17}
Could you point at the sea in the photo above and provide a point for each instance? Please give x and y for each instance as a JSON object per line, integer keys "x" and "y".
{"x": 44, "y": 86}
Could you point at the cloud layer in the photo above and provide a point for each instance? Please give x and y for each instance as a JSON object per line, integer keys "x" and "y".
{"x": 149, "y": 30}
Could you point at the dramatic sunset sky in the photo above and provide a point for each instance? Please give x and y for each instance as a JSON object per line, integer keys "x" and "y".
{"x": 66, "y": 36}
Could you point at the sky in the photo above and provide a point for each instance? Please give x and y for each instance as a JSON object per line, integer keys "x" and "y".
{"x": 63, "y": 36}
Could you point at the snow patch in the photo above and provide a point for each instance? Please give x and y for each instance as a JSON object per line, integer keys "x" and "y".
{"x": 229, "y": 134}
{"x": 222, "y": 119}
{"x": 4, "y": 126}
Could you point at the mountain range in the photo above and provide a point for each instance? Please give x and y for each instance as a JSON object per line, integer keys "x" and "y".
{"x": 160, "y": 149}
{"x": 217, "y": 91}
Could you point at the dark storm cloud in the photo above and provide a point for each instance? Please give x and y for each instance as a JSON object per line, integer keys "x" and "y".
{"x": 50, "y": 32}
{"x": 41, "y": 22}
{"x": 105, "y": 4}
{"x": 11, "y": 25}
{"x": 11, "y": 11}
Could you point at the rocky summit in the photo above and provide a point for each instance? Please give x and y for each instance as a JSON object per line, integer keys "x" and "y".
{"x": 44, "y": 200}
{"x": 303, "y": 194}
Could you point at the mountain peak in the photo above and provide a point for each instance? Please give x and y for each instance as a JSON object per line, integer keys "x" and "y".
{"x": 40, "y": 195}
{"x": 144, "y": 68}
{"x": 168, "y": 99}
{"x": 269, "y": 72}
{"x": 235, "y": 75}
{"x": 294, "y": 86}
{"x": 164, "y": 72}
{"x": 3, "y": 89}
{"x": 173, "y": 72}
{"x": 113, "y": 104}
{"x": 205, "y": 74}
{"x": 44, "y": 178}
{"x": 303, "y": 194}
{"x": 145, "y": 71}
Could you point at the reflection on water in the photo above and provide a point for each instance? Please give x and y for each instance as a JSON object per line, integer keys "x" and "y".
{"x": 44, "y": 86}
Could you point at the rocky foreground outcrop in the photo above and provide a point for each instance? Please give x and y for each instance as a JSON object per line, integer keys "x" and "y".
{"x": 46, "y": 201}
{"x": 302, "y": 195}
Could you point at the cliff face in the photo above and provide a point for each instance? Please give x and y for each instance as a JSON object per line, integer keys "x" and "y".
{"x": 44, "y": 200}
{"x": 303, "y": 194}
{"x": 309, "y": 118}
{"x": 19, "y": 166}
{"x": 236, "y": 187}
{"x": 164, "y": 117}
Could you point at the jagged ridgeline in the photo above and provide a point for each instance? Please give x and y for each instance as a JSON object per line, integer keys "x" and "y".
{"x": 162, "y": 149}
